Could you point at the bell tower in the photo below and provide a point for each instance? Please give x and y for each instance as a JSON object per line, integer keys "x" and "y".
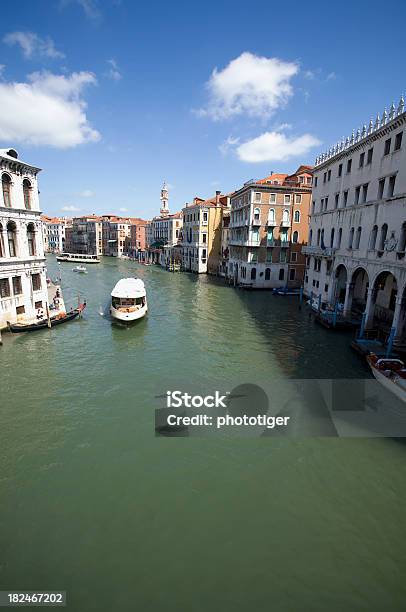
{"x": 164, "y": 201}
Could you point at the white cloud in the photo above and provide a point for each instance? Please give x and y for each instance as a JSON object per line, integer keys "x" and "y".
{"x": 32, "y": 45}
{"x": 331, "y": 76}
{"x": 309, "y": 74}
{"x": 90, "y": 7}
{"x": 249, "y": 84}
{"x": 123, "y": 209}
{"x": 113, "y": 71}
{"x": 86, "y": 193}
{"x": 46, "y": 110}
{"x": 70, "y": 208}
{"x": 228, "y": 144}
{"x": 276, "y": 146}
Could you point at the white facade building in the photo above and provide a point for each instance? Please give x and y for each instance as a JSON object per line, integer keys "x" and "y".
{"x": 55, "y": 235}
{"x": 357, "y": 241}
{"x": 23, "y": 287}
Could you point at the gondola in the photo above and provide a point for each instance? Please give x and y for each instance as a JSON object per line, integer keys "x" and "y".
{"x": 43, "y": 324}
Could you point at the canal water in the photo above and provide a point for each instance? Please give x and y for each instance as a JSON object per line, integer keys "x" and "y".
{"x": 93, "y": 503}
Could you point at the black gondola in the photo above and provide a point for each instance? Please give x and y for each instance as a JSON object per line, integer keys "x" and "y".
{"x": 43, "y": 324}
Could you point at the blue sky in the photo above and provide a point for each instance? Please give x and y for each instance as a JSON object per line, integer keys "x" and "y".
{"x": 112, "y": 97}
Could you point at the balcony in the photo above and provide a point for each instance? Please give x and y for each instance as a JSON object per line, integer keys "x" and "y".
{"x": 318, "y": 250}
{"x": 256, "y": 221}
{"x": 271, "y": 223}
{"x": 285, "y": 223}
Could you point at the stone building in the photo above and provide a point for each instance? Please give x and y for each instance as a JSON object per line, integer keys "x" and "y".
{"x": 202, "y": 233}
{"x": 54, "y": 232}
{"x": 23, "y": 286}
{"x": 268, "y": 228}
{"x": 85, "y": 236}
{"x": 357, "y": 242}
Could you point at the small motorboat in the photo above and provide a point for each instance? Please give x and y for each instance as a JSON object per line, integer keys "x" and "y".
{"x": 391, "y": 373}
{"x": 80, "y": 269}
{"x": 44, "y": 323}
{"x": 129, "y": 300}
{"x": 286, "y": 291}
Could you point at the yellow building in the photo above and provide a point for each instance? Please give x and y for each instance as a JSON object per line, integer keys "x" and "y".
{"x": 201, "y": 235}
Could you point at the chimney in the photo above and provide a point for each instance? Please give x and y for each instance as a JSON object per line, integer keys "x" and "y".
{"x": 218, "y": 196}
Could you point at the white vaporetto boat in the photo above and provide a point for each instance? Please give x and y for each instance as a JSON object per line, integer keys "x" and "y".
{"x": 129, "y": 300}
{"x": 78, "y": 258}
{"x": 391, "y": 373}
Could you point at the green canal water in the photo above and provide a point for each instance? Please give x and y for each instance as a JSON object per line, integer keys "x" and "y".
{"x": 93, "y": 503}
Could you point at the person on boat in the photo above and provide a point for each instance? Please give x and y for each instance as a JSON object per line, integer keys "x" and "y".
{"x": 40, "y": 313}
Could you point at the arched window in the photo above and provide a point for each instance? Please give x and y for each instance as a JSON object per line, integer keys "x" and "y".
{"x": 285, "y": 216}
{"x": 340, "y": 235}
{"x": 31, "y": 239}
{"x": 358, "y": 238}
{"x": 253, "y": 273}
{"x": 310, "y": 237}
{"x": 382, "y": 239}
{"x": 271, "y": 215}
{"x": 297, "y": 216}
{"x": 12, "y": 239}
{"x": 257, "y": 215}
{"x": 6, "y": 185}
{"x": 372, "y": 240}
{"x": 27, "y": 194}
{"x": 402, "y": 239}
{"x": 267, "y": 274}
{"x": 295, "y": 237}
{"x": 332, "y": 237}
{"x": 351, "y": 238}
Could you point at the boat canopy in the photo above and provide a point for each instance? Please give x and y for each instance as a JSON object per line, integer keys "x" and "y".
{"x": 129, "y": 288}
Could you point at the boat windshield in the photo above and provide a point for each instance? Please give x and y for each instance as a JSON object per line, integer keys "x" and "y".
{"x": 127, "y": 302}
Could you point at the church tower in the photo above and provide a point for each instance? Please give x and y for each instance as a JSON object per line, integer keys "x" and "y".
{"x": 164, "y": 201}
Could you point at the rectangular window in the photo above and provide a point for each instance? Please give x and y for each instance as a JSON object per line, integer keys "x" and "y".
{"x": 326, "y": 203}
{"x": 345, "y": 197}
{"x": 17, "y": 286}
{"x": 204, "y": 238}
{"x": 324, "y": 177}
{"x": 313, "y": 206}
{"x": 205, "y": 217}
{"x": 391, "y": 186}
{"x": 398, "y": 141}
{"x": 369, "y": 156}
{"x": 316, "y": 181}
{"x": 329, "y": 175}
{"x": 298, "y": 198}
{"x": 257, "y": 196}
{"x": 357, "y": 192}
{"x": 340, "y": 170}
{"x": 349, "y": 164}
{"x": 361, "y": 160}
{"x": 387, "y": 147}
{"x": 337, "y": 197}
{"x": 272, "y": 198}
{"x": 269, "y": 255}
{"x": 36, "y": 282}
{"x": 20, "y": 310}
{"x": 38, "y": 305}
{"x": 381, "y": 188}
{"x": 4, "y": 288}
{"x": 364, "y": 192}
{"x": 282, "y": 256}
{"x": 293, "y": 256}
{"x": 204, "y": 254}
{"x": 292, "y": 274}
{"x": 281, "y": 274}
{"x": 284, "y": 236}
{"x": 287, "y": 198}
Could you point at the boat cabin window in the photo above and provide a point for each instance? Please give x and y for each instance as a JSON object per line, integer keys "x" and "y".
{"x": 127, "y": 302}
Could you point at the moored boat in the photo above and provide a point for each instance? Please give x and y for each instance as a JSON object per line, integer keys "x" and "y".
{"x": 391, "y": 373}
{"x": 45, "y": 323}
{"x": 129, "y": 300}
{"x": 78, "y": 258}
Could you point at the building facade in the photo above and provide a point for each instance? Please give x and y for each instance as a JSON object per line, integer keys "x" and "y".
{"x": 357, "y": 242}
{"x": 136, "y": 242}
{"x": 85, "y": 237}
{"x": 202, "y": 233}
{"x": 268, "y": 228}
{"x": 54, "y": 231}
{"x": 23, "y": 286}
